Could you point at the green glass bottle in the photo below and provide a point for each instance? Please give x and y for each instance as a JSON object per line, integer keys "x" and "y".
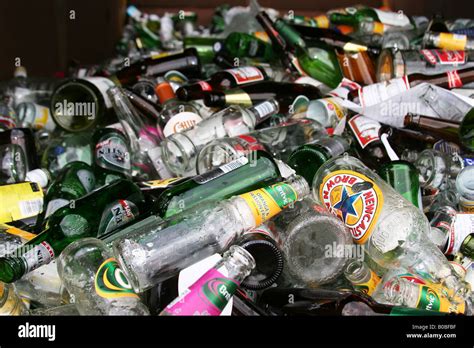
{"x": 203, "y": 45}
{"x": 74, "y": 181}
{"x": 466, "y": 130}
{"x": 236, "y": 177}
{"x": 307, "y": 159}
{"x": 246, "y": 45}
{"x": 95, "y": 214}
{"x": 111, "y": 153}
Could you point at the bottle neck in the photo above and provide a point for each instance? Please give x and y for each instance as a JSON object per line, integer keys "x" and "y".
{"x": 238, "y": 262}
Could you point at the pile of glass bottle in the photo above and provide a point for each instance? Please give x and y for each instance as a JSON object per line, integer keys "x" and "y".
{"x": 269, "y": 164}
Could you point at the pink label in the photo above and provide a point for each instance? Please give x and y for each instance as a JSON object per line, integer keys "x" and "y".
{"x": 454, "y": 81}
{"x": 207, "y": 296}
{"x": 205, "y": 86}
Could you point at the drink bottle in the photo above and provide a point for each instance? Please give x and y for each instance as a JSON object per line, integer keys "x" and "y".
{"x": 464, "y": 182}
{"x": 185, "y": 22}
{"x": 203, "y": 45}
{"x": 243, "y": 305}
{"x": 111, "y": 155}
{"x": 307, "y": 159}
{"x": 176, "y": 115}
{"x": 226, "y": 79}
{"x": 378, "y": 92}
{"x": 8, "y": 116}
{"x": 392, "y": 230}
{"x": 36, "y": 116}
{"x": 10, "y": 302}
{"x": 361, "y": 276}
{"x": 236, "y": 177}
{"x": 358, "y": 67}
{"x": 396, "y": 63}
{"x": 74, "y": 181}
{"x": 320, "y": 21}
{"x": 327, "y": 111}
{"x": 146, "y": 106}
{"x": 448, "y": 41}
{"x": 93, "y": 277}
{"x": 242, "y": 45}
{"x": 150, "y": 256}
{"x": 354, "y": 15}
{"x": 144, "y": 28}
{"x": 186, "y": 62}
{"x": 99, "y": 212}
{"x": 180, "y": 150}
{"x": 81, "y": 104}
{"x": 437, "y": 169}
{"x": 21, "y": 142}
{"x": 404, "y": 140}
{"x": 20, "y": 201}
{"x": 300, "y": 301}
{"x": 279, "y": 141}
{"x": 284, "y": 93}
{"x": 264, "y": 247}
{"x": 210, "y": 293}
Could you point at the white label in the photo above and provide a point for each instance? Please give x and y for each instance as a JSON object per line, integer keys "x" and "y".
{"x": 218, "y": 172}
{"x": 393, "y": 18}
{"x": 103, "y": 84}
{"x": 264, "y": 109}
{"x": 54, "y": 205}
{"x": 31, "y": 207}
{"x": 365, "y": 130}
{"x": 462, "y": 227}
{"x": 343, "y": 89}
{"x": 39, "y": 255}
{"x": 246, "y": 74}
{"x": 46, "y": 278}
{"x": 378, "y": 92}
{"x": 180, "y": 122}
{"x": 87, "y": 179}
{"x": 226, "y": 168}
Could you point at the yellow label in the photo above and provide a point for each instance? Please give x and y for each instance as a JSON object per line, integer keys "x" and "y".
{"x": 452, "y": 41}
{"x": 322, "y": 21}
{"x": 336, "y": 107}
{"x": 353, "y": 198}
{"x": 262, "y": 36}
{"x": 19, "y": 201}
{"x": 467, "y": 206}
{"x": 238, "y": 98}
{"x": 269, "y": 201}
{"x": 379, "y": 28}
{"x": 165, "y": 54}
{"x": 160, "y": 183}
{"x": 26, "y": 236}
{"x": 41, "y": 121}
{"x": 431, "y": 298}
{"x": 369, "y": 286}
{"x": 352, "y": 47}
{"x": 2, "y": 290}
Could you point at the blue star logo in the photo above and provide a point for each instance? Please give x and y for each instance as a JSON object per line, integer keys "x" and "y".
{"x": 346, "y": 204}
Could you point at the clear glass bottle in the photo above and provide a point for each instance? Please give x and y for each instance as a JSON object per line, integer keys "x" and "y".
{"x": 98, "y": 285}
{"x": 10, "y": 302}
{"x": 151, "y": 256}
{"x": 210, "y": 293}
{"x": 361, "y": 276}
{"x": 465, "y": 188}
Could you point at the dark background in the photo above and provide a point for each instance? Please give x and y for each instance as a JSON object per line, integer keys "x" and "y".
{"x": 42, "y": 35}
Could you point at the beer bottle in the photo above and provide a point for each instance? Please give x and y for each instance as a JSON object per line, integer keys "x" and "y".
{"x": 99, "y": 212}
{"x": 240, "y": 45}
{"x": 447, "y": 41}
{"x": 362, "y": 277}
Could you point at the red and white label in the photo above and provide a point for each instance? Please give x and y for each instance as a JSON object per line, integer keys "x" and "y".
{"x": 454, "y": 81}
{"x": 378, "y": 92}
{"x": 365, "y": 130}
{"x": 252, "y": 143}
{"x": 444, "y": 57}
{"x": 205, "y": 86}
{"x": 246, "y": 74}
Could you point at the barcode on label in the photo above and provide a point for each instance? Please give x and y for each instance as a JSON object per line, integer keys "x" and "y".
{"x": 264, "y": 109}
{"x": 31, "y": 208}
{"x": 234, "y": 164}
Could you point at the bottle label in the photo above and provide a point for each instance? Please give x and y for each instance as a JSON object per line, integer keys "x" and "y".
{"x": 20, "y": 201}
{"x": 218, "y": 172}
{"x": 111, "y": 282}
{"x": 369, "y": 286}
{"x": 54, "y": 205}
{"x": 466, "y": 205}
{"x": 431, "y": 299}
{"x": 344, "y": 87}
{"x": 246, "y": 74}
{"x": 378, "y": 92}
{"x": 251, "y": 144}
{"x": 207, "y": 296}
{"x": 462, "y": 226}
{"x": 333, "y": 109}
{"x": 398, "y": 19}
{"x": 454, "y": 81}
{"x": 116, "y": 215}
{"x": 205, "y": 86}
{"x": 264, "y": 110}
{"x": 238, "y": 97}
{"x": 452, "y": 41}
{"x": 25, "y": 236}
{"x": 181, "y": 122}
{"x": 42, "y": 118}
{"x": 365, "y": 130}
{"x": 353, "y": 198}
{"x": 38, "y": 256}
{"x": 7, "y": 122}
{"x": 154, "y": 184}
{"x": 444, "y": 57}
{"x": 87, "y": 179}
{"x": 113, "y": 151}
{"x": 322, "y": 21}
{"x": 269, "y": 201}
{"x": 103, "y": 84}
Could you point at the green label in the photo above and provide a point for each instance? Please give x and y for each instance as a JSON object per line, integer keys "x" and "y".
{"x": 219, "y": 291}
{"x": 111, "y": 282}
{"x": 406, "y": 311}
{"x": 429, "y": 299}
{"x": 283, "y": 194}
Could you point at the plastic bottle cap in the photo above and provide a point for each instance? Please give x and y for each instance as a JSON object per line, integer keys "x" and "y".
{"x": 164, "y": 92}
{"x": 39, "y": 176}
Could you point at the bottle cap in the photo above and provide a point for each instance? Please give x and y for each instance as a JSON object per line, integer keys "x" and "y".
{"x": 40, "y": 176}
{"x": 164, "y": 92}
{"x": 20, "y": 72}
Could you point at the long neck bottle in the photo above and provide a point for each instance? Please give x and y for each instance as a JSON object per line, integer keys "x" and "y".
{"x": 242, "y": 45}
{"x": 181, "y": 149}
{"x": 167, "y": 249}
{"x": 97, "y": 213}
{"x": 226, "y": 275}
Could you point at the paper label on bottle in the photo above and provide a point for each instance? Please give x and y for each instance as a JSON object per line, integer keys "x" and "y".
{"x": 447, "y": 147}
{"x": 25, "y": 236}
{"x": 322, "y": 21}
{"x": 103, "y": 84}
{"x": 205, "y": 86}
{"x": 20, "y": 201}
{"x": 251, "y": 144}
{"x": 54, "y": 205}
{"x": 111, "y": 282}
{"x": 369, "y": 286}
{"x": 462, "y": 226}
{"x": 365, "y": 130}
{"x": 466, "y": 205}
{"x": 246, "y": 74}
{"x": 181, "y": 122}
{"x": 444, "y": 57}
{"x": 207, "y": 296}
{"x": 452, "y": 41}
{"x": 269, "y": 201}
{"x": 264, "y": 110}
{"x": 113, "y": 151}
{"x": 333, "y": 109}
{"x": 378, "y": 92}
{"x": 353, "y": 198}
{"x": 116, "y": 215}
{"x": 38, "y": 256}
{"x": 431, "y": 299}
{"x": 7, "y": 122}
{"x": 454, "y": 81}
{"x": 154, "y": 184}
{"x": 398, "y": 19}
{"x": 343, "y": 89}
{"x": 42, "y": 118}
{"x": 218, "y": 172}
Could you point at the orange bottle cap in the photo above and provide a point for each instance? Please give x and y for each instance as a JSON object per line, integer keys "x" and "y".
{"x": 164, "y": 92}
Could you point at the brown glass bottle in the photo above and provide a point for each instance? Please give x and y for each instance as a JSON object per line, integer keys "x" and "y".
{"x": 436, "y": 127}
